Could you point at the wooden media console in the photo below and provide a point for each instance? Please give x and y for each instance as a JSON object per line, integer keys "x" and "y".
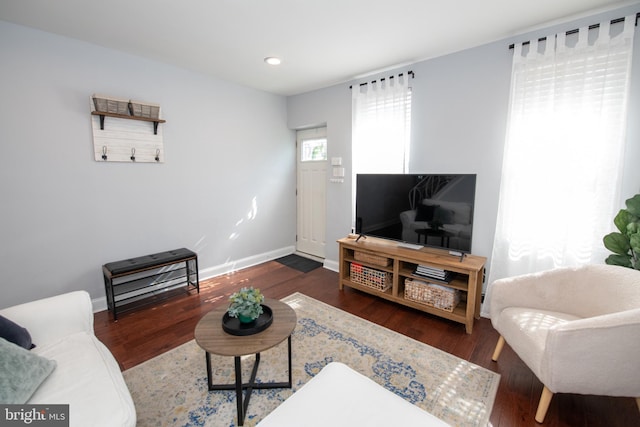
{"x": 387, "y": 266}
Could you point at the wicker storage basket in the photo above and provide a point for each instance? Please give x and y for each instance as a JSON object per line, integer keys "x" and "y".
{"x": 433, "y": 295}
{"x": 105, "y": 104}
{"x": 145, "y": 109}
{"x": 372, "y": 259}
{"x": 376, "y": 279}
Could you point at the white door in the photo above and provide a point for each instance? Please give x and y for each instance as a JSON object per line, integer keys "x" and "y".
{"x": 311, "y": 191}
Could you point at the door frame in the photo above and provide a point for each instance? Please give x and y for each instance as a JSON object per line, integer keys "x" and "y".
{"x": 319, "y": 132}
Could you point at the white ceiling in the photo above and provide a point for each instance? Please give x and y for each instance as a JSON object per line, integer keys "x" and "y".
{"x": 321, "y": 42}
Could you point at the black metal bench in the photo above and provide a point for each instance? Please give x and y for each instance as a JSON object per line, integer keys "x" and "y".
{"x": 135, "y": 279}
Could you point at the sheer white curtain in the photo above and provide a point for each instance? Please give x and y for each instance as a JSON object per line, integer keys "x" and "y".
{"x": 381, "y": 125}
{"x": 563, "y": 152}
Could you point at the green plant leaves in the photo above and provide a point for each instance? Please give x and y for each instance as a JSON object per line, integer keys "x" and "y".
{"x": 621, "y": 260}
{"x": 622, "y": 220}
{"x": 625, "y": 245}
{"x": 634, "y": 242}
{"x": 617, "y": 243}
{"x": 246, "y": 302}
{"x": 633, "y": 205}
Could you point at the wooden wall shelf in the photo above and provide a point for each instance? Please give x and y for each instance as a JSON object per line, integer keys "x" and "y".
{"x": 103, "y": 114}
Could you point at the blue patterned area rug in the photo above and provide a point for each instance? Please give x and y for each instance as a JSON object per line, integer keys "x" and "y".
{"x": 171, "y": 389}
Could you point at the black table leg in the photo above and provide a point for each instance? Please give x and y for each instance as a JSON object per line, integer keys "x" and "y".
{"x": 239, "y": 405}
{"x": 208, "y": 359}
{"x": 290, "y": 372}
{"x": 238, "y": 385}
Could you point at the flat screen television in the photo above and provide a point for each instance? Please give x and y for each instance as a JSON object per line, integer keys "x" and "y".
{"x": 420, "y": 209}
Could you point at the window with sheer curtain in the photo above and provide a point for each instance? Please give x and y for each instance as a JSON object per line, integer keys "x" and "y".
{"x": 381, "y": 125}
{"x": 563, "y": 152}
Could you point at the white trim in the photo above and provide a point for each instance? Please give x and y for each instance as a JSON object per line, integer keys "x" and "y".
{"x": 309, "y": 256}
{"x": 331, "y": 265}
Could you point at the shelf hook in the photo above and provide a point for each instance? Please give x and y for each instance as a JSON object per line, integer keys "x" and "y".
{"x": 157, "y": 154}
{"x": 104, "y": 153}
{"x": 133, "y": 154}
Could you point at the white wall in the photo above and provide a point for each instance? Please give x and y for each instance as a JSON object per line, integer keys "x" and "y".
{"x": 63, "y": 215}
{"x": 459, "y": 116}
{"x": 226, "y": 189}
{"x": 330, "y": 107}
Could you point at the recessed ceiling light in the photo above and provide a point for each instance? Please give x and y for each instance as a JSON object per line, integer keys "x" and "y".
{"x": 272, "y": 60}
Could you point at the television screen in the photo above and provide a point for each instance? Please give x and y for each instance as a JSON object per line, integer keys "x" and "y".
{"x": 428, "y": 210}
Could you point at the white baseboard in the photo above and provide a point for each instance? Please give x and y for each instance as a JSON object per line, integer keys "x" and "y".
{"x": 100, "y": 304}
{"x": 331, "y": 265}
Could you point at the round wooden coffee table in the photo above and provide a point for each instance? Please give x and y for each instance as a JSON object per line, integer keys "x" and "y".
{"x": 214, "y": 340}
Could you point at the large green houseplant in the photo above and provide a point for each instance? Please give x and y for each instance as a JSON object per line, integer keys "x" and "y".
{"x": 625, "y": 243}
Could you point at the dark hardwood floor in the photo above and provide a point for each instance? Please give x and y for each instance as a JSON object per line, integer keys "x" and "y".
{"x": 147, "y": 332}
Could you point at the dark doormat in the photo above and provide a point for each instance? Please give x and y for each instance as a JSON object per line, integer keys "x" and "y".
{"x": 299, "y": 263}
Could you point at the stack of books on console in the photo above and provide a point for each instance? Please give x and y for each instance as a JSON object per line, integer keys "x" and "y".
{"x": 433, "y": 273}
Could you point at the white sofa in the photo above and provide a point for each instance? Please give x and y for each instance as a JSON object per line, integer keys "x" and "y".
{"x": 338, "y": 396}
{"x": 86, "y": 376}
{"x": 458, "y": 222}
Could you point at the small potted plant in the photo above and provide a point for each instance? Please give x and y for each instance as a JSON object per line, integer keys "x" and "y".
{"x": 246, "y": 304}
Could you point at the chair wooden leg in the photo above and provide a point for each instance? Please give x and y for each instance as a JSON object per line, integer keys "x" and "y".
{"x": 498, "y": 350}
{"x": 543, "y": 406}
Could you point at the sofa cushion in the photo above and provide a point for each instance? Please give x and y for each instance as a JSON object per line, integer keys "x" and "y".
{"x": 15, "y": 333}
{"x": 87, "y": 378}
{"x": 21, "y": 372}
{"x": 126, "y": 266}
{"x": 526, "y": 329}
{"x": 339, "y": 396}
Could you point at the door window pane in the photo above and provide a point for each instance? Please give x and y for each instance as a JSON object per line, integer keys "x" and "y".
{"x": 313, "y": 150}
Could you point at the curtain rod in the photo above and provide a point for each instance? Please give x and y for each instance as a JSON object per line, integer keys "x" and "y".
{"x": 575, "y": 30}
{"x": 410, "y": 73}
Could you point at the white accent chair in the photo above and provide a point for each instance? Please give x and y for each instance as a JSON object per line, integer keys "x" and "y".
{"x": 577, "y": 329}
